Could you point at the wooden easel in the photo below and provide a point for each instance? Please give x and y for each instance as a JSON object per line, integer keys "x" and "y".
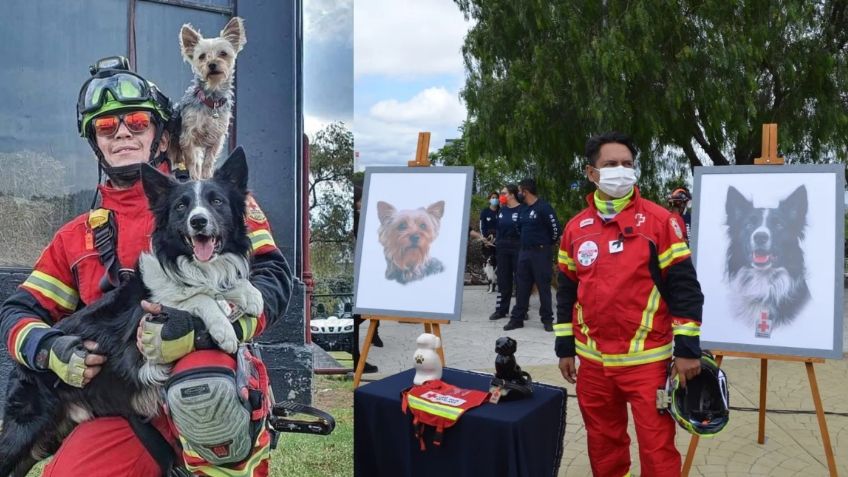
{"x": 769, "y": 156}
{"x": 422, "y": 159}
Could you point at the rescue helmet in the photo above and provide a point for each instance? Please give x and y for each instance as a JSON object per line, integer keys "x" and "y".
{"x": 113, "y": 88}
{"x": 702, "y": 407}
{"x": 680, "y": 194}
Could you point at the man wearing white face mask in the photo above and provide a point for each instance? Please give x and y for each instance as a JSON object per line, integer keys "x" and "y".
{"x": 628, "y": 300}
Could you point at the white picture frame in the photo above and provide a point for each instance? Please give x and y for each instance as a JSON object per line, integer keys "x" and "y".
{"x": 768, "y": 249}
{"x": 393, "y": 276}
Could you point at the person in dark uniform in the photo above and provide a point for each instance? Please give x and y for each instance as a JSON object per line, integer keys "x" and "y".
{"x": 489, "y": 228}
{"x": 539, "y": 229}
{"x": 507, "y": 247}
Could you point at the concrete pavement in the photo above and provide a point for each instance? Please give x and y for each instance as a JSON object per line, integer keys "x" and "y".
{"x": 793, "y": 444}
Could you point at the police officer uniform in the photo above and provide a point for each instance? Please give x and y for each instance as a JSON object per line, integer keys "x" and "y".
{"x": 507, "y": 246}
{"x": 539, "y": 229}
{"x": 488, "y": 228}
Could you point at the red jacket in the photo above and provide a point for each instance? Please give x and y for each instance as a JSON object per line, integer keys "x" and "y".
{"x": 68, "y": 273}
{"x": 627, "y": 287}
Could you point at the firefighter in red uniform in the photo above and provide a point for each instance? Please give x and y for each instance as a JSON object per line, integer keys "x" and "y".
{"x": 627, "y": 292}
{"x": 124, "y": 119}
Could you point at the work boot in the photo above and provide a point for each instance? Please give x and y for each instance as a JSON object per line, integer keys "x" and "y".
{"x": 369, "y": 368}
{"x": 497, "y": 316}
{"x": 513, "y": 324}
{"x": 548, "y": 326}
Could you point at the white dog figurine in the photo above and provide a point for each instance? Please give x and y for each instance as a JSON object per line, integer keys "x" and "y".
{"x": 428, "y": 364}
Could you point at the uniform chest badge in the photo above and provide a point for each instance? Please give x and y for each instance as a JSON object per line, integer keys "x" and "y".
{"x": 676, "y": 227}
{"x": 585, "y": 222}
{"x": 254, "y": 213}
{"x": 587, "y": 253}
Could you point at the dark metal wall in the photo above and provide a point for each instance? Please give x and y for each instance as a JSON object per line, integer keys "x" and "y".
{"x": 48, "y": 49}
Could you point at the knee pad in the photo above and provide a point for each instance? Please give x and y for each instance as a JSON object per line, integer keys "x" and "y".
{"x": 218, "y": 404}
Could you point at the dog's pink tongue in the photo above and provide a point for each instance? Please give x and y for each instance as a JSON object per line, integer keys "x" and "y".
{"x": 758, "y": 258}
{"x": 203, "y": 248}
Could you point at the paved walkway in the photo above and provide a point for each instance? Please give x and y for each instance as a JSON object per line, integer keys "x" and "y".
{"x": 793, "y": 444}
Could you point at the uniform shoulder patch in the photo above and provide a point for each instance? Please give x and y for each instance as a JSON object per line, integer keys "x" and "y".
{"x": 585, "y": 222}
{"x": 254, "y": 213}
{"x": 677, "y": 230}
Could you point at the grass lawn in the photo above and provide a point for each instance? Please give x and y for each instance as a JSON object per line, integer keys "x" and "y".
{"x": 304, "y": 455}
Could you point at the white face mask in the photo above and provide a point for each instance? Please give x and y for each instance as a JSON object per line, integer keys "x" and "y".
{"x": 616, "y": 182}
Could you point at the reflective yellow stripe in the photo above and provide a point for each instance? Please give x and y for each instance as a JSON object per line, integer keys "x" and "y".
{"x": 638, "y": 341}
{"x": 626, "y": 359}
{"x": 250, "y": 465}
{"x": 676, "y": 250}
{"x": 584, "y": 328}
{"x": 21, "y": 336}
{"x": 248, "y": 327}
{"x": 564, "y": 259}
{"x": 430, "y": 407}
{"x": 63, "y": 295}
{"x": 689, "y": 328}
{"x": 260, "y": 238}
{"x": 563, "y": 329}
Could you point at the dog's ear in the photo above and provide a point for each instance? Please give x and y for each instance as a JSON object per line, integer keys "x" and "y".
{"x": 157, "y": 186}
{"x": 233, "y": 32}
{"x": 737, "y": 205}
{"x": 437, "y": 210}
{"x": 234, "y": 170}
{"x": 385, "y": 211}
{"x": 796, "y": 206}
{"x": 189, "y": 37}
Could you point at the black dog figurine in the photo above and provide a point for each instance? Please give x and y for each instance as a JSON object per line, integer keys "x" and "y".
{"x": 512, "y": 382}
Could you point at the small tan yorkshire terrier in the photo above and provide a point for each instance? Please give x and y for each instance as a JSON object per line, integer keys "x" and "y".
{"x": 406, "y": 236}
{"x": 206, "y": 107}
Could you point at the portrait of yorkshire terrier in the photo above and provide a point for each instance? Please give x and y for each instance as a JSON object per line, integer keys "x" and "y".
{"x": 206, "y": 107}
{"x": 406, "y": 236}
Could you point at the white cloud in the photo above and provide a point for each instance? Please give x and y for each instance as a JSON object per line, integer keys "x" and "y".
{"x": 387, "y": 135}
{"x": 328, "y": 20}
{"x": 433, "y": 105}
{"x": 408, "y": 37}
{"x": 313, "y": 124}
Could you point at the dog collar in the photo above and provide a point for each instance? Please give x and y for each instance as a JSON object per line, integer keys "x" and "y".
{"x": 208, "y": 101}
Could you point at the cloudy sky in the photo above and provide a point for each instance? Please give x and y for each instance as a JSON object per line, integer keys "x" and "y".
{"x": 327, "y": 63}
{"x": 408, "y": 72}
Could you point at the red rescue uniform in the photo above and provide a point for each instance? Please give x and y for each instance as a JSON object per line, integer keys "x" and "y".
{"x": 628, "y": 298}
{"x": 68, "y": 276}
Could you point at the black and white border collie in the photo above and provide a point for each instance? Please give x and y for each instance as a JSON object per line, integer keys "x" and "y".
{"x": 199, "y": 261}
{"x": 765, "y": 267}
{"x": 491, "y": 278}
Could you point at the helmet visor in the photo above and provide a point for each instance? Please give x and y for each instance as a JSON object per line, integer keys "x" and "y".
{"x": 124, "y": 87}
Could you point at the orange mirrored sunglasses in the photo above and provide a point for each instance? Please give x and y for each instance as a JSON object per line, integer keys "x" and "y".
{"x": 136, "y": 122}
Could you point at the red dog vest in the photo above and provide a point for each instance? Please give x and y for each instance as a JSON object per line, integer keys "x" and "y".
{"x": 438, "y": 404}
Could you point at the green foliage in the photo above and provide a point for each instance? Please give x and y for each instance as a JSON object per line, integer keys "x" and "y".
{"x": 331, "y": 202}
{"x": 691, "y": 81}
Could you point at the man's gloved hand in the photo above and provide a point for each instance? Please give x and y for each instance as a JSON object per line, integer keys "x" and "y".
{"x": 72, "y": 360}
{"x": 166, "y": 334}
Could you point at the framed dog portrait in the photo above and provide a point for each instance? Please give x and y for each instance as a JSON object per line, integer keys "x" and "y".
{"x": 768, "y": 248}
{"x": 411, "y": 242}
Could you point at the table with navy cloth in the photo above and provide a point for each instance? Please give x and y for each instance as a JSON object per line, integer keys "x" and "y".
{"x": 522, "y": 438}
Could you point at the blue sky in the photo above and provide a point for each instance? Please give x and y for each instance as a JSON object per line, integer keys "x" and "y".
{"x": 408, "y": 73}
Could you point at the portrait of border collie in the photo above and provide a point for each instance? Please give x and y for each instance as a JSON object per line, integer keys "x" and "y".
{"x": 199, "y": 254}
{"x": 765, "y": 267}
